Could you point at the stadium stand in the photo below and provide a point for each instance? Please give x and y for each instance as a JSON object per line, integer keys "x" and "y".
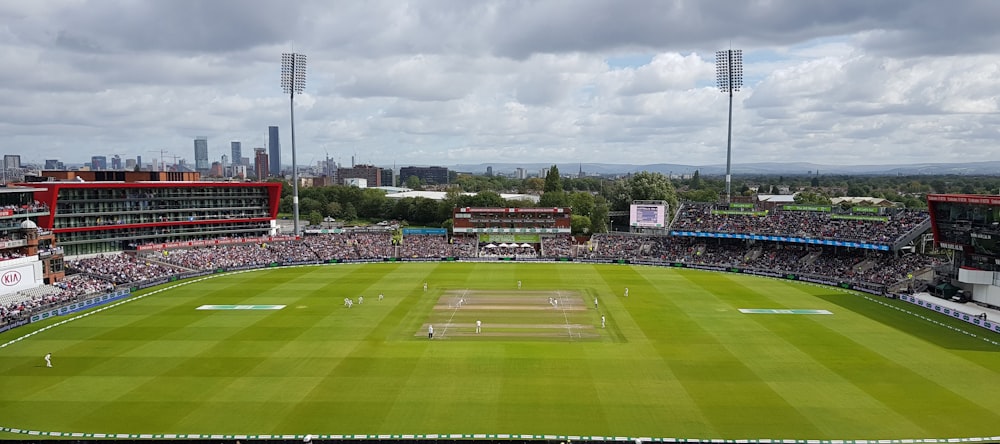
{"x": 864, "y": 268}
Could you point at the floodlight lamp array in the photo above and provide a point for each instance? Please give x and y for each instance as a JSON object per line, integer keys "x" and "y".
{"x": 729, "y": 69}
{"x": 293, "y": 72}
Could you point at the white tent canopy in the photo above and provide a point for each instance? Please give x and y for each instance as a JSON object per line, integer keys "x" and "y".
{"x": 491, "y": 245}
{"x": 526, "y": 245}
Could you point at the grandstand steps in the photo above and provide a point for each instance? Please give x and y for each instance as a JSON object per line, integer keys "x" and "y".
{"x": 29, "y": 294}
{"x": 864, "y": 265}
{"x": 811, "y": 257}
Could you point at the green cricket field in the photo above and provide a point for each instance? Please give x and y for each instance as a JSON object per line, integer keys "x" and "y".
{"x": 686, "y": 354}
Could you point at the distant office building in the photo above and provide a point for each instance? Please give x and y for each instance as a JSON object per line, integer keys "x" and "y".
{"x": 201, "y": 155}
{"x": 489, "y": 171}
{"x": 260, "y": 163}
{"x": 116, "y": 162}
{"x": 98, "y": 163}
{"x": 240, "y": 171}
{"x": 434, "y": 175}
{"x": 388, "y": 178}
{"x": 215, "y": 170}
{"x": 274, "y": 151}
{"x": 138, "y": 161}
{"x": 11, "y": 161}
{"x": 236, "y": 152}
{"x": 521, "y": 173}
{"x": 372, "y": 175}
{"x": 54, "y": 164}
{"x": 130, "y": 164}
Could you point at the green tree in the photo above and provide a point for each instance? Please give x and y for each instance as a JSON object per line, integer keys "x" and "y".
{"x": 599, "y": 216}
{"x": 582, "y": 203}
{"x": 644, "y": 186}
{"x": 532, "y": 185}
{"x": 350, "y": 213}
{"x": 704, "y": 195}
{"x": 413, "y": 183}
{"x": 579, "y": 224}
{"x": 552, "y": 181}
{"x": 334, "y": 209}
{"x": 308, "y": 205}
{"x": 553, "y": 199}
{"x": 315, "y": 218}
{"x": 696, "y": 180}
{"x": 811, "y": 198}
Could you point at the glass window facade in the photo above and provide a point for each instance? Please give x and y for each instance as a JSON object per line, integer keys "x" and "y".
{"x": 90, "y": 220}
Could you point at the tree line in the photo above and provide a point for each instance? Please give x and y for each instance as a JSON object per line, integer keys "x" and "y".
{"x": 593, "y": 198}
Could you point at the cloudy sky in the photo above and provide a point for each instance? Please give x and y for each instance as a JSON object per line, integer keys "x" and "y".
{"x": 444, "y": 82}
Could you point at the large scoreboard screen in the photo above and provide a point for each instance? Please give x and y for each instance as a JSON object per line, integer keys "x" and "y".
{"x": 966, "y": 223}
{"x": 647, "y": 215}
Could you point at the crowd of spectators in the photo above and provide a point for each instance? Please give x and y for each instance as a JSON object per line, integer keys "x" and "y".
{"x": 514, "y": 250}
{"x": 34, "y": 207}
{"x": 432, "y": 246}
{"x": 845, "y": 264}
{"x": 862, "y": 266}
{"x": 237, "y": 255}
{"x": 121, "y": 268}
{"x": 71, "y": 288}
{"x": 351, "y": 245}
{"x": 805, "y": 224}
{"x": 558, "y": 246}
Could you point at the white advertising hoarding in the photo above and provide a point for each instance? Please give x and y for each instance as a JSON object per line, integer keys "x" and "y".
{"x": 20, "y": 277}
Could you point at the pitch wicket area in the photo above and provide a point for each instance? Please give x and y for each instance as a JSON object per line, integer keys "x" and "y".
{"x": 557, "y": 315}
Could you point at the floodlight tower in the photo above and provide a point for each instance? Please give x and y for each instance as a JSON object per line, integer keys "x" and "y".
{"x": 729, "y": 73}
{"x": 293, "y": 81}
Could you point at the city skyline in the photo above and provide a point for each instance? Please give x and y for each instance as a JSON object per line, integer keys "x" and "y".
{"x": 444, "y": 83}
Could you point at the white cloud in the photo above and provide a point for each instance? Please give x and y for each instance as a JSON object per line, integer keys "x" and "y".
{"x": 451, "y": 81}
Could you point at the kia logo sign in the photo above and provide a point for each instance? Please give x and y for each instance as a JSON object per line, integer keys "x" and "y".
{"x": 11, "y": 278}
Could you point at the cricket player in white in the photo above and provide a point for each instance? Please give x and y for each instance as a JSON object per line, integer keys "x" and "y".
{"x": 361, "y": 300}
{"x": 518, "y": 285}
{"x": 479, "y": 326}
{"x": 595, "y": 303}
{"x": 430, "y": 332}
{"x": 602, "y": 321}
{"x": 626, "y": 291}
{"x": 48, "y": 359}
{"x": 381, "y": 296}
{"x": 425, "y": 286}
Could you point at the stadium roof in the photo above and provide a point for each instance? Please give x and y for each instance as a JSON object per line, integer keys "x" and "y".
{"x": 440, "y": 195}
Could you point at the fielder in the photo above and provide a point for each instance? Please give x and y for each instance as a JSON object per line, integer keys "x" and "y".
{"x": 361, "y": 300}
{"x": 48, "y": 359}
{"x": 518, "y": 285}
{"x": 479, "y": 326}
{"x": 381, "y": 296}
{"x": 602, "y": 321}
{"x": 626, "y": 291}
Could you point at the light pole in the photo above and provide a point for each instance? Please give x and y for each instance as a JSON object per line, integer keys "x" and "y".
{"x": 293, "y": 81}
{"x": 729, "y": 73}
